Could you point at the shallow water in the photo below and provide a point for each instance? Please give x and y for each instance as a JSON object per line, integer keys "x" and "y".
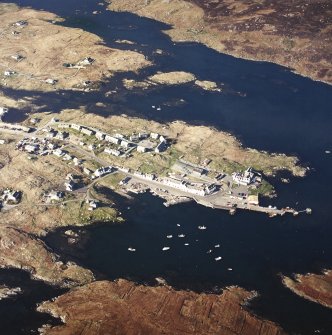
{"x": 276, "y": 111}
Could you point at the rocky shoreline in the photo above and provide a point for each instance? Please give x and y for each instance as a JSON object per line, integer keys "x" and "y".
{"x": 298, "y": 30}
{"x": 314, "y": 287}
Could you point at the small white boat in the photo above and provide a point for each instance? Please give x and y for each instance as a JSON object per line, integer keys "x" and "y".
{"x": 178, "y": 225}
{"x": 169, "y": 236}
{"x": 186, "y": 244}
{"x": 217, "y": 246}
{"x": 158, "y": 109}
{"x": 209, "y": 251}
{"x": 131, "y": 249}
{"x": 201, "y": 227}
{"x": 229, "y": 269}
{"x": 153, "y": 106}
{"x": 218, "y": 258}
{"x": 181, "y": 235}
{"x": 165, "y": 248}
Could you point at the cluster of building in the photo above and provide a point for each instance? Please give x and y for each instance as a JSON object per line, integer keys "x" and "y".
{"x": 248, "y": 177}
{"x": 53, "y": 133}
{"x": 33, "y": 145}
{"x": 118, "y": 144}
{"x": 10, "y": 197}
{"x": 45, "y": 146}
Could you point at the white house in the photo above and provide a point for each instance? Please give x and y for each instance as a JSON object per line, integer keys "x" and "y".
{"x": 9, "y": 73}
{"x": 100, "y": 136}
{"x": 58, "y": 152}
{"x": 31, "y": 148}
{"x": 77, "y": 161}
{"x": 70, "y": 185}
{"x": 125, "y": 144}
{"x": 87, "y": 171}
{"x": 76, "y": 126}
{"x": 112, "y": 152}
{"x": 162, "y": 146}
{"x": 103, "y": 171}
{"x": 55, "y": 195}
{"x": 112, "y": 139}
{"x": 155, "y": 136}
{"x": 140, "y": 148}
{"x": 63, "y": 125}
{"x": 87, "y": 131}
{"x": 51, "y": 81}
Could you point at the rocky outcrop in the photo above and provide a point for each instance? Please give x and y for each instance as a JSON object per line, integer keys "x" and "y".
{"x": 317, "y": 288}
{"x": 23, "y": 251}
{"x": 123, "y": 307}
{"x": 7, "y": 292}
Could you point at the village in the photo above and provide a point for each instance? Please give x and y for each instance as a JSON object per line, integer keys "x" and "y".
{"x": 94, "y": 155}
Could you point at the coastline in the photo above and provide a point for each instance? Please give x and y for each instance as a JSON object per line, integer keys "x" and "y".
{"x": 195, "y": 21}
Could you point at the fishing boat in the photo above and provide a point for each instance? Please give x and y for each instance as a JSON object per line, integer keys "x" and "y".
{"x": 218, "y": 258}
{"x": 230, "y": 269}
{"x": 169, "y": 236}
{"x": 131, "y": 249}
{"x": 217, "y": 246}
{"x": 186, "y": 244}
{"x": 201, "y": 227}
{"x": 178, "y": 225}
{"x": 165, "y": 248}
{"x": 181, "y": 235}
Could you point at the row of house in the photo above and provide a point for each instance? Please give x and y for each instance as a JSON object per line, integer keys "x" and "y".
{"x": 185, "y": 186}
{"x": 120, "y": 140}
{"x": 147, "y": 176}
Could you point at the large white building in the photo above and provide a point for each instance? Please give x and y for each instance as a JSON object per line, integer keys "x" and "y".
{"x": 245, "y": 178}
{"x": 201, "y": 190}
